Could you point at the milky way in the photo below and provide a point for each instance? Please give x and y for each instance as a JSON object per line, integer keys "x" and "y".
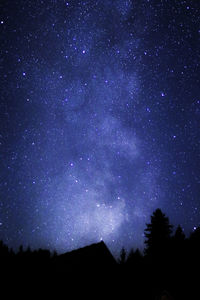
{"x": 100, "y": 112}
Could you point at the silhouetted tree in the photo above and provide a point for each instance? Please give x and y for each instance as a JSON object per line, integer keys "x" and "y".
{"x": 178, "y": 254}
{"x": 179, "y": 234}
{"x": 178, "y": 244}
{"x": 4, "y": 251}
{"x": 194, "y": 240}
{"x": 55, "y": 254}
{"x": 195, "y": 235}
{"x": 28, "y": 250}
{"x": 134, "y": 257}
{"x": 131, "y": 257}
{"x": 21, "y": 250}
{"x": 122, "y": 258}
{"x": 157, "y": 234}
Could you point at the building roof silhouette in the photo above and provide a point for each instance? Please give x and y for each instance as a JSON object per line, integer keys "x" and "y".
{"x": 94, "y": 256}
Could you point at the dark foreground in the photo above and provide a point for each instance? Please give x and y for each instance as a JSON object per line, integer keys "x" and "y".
{"x": 62, "y": 277}
{"x": 104, "y": 283}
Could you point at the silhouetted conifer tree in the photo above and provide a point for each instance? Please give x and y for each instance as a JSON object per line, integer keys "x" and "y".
{"x": 157, "y": 234}
{"x": 134, "y": 257}
{"x": 21, "y": 250}
{"x": 4, "y": 251}
{"x": 131, "y": 257}
{"x": 122, "y": 258}
{"x": 194, "y": 240}
{"x": 178, "y": 250}
{"x": 179, "y": 235}
{"x": 195, "y": 235}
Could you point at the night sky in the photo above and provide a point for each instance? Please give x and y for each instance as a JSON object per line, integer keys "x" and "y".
{"x": 100, "y": 120}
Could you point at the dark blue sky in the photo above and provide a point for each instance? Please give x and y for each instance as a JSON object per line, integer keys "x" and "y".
{"x": 100, "y": 120}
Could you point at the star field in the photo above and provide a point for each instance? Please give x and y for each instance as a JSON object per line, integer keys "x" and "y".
{"x": 100, "y": 114}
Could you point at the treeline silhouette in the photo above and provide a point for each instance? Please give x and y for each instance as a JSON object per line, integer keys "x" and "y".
{"x": 168, "y": 268}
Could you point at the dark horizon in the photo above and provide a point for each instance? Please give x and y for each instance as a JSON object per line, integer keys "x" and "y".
{"x": 168, "y": 268}
{"x": 116, "y": 254}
